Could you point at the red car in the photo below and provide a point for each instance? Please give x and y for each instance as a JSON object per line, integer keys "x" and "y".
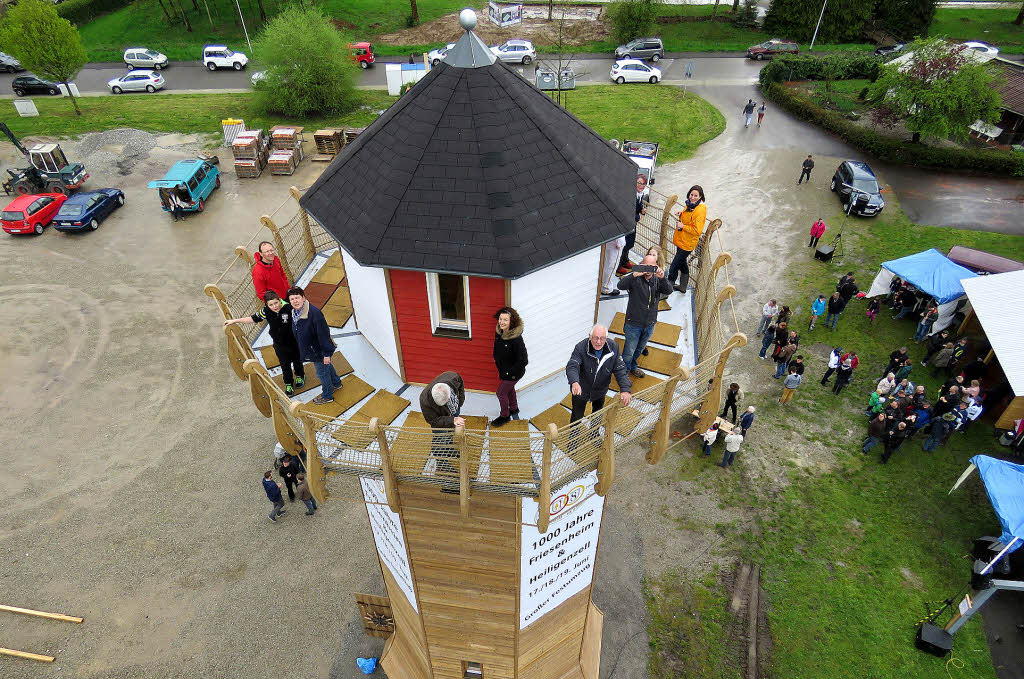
{"x": 29, "y": 214}
{"x": 361, "y": 53}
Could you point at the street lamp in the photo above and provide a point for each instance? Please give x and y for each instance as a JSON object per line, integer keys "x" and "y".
{"x": 251, "y": 53}
{"x": 815, "y": 36}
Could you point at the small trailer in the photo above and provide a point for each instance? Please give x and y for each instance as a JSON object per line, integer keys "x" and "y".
{"x": 644, "y": 154}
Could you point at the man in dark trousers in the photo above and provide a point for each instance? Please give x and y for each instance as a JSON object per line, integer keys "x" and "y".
{"x": 645, "y": 290}
{"x": 849, "y": 289}
{"x": 289, "y": 471}
{"x": 894, "y": 438}
{"x": 273, "y": 491}
{"x": 278, "y": 316}
{"x": 313, "y": 336}
{"x": 590, "y": 370}
{"x": 747, "y": 420}
{"x": 896, "y": 359}
{"x": 441, "y": 402}
{"x": 806, "y": 171}
{"x": 935, "y": 343}
{"x": 642, "y": 198}
{"x": 836, "y": 305}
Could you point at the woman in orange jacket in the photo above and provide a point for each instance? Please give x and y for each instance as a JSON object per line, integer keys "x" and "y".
{"x": 688, "y": 231}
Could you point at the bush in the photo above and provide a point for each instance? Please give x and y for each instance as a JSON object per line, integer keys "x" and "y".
{"x": 632, "y": 18}
{"x": 837, "y": 67}
{"x": 81, "y": 12}
{"x": 891, "y": 150}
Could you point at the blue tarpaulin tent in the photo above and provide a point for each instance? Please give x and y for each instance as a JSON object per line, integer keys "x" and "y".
{"x": 1004, "y": 483}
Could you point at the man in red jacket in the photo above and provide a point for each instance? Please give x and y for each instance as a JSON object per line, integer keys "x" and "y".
{"x": 267, "y": 272}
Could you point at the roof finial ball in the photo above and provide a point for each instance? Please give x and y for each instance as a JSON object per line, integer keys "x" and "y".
{"x": 467, "y": 19}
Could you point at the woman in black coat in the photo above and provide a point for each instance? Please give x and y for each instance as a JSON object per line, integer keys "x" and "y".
{"x": 510, "y": 358}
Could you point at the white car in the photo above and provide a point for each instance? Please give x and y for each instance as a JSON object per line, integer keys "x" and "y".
{"x": 982, "y": 47}
{"x": 137, "y": 81}
{"x": 257, "y": 77}
{"x": 634, "y": 71}
{"x": 516, "y": 52}
{"x": 219, "y": 56}
{"x": 435, "y": 57}
{"x": 140, "y": 57}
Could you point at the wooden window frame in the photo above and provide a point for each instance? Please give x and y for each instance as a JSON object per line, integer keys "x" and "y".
{"x": 475, "y": 675}
{"x": 440, "y": 327}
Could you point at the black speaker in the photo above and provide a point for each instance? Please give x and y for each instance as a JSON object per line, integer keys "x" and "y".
{"x": 931, "y": 639}
{"x": 825, "y": 252}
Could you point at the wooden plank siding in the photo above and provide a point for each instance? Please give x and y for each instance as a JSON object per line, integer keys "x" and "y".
{"x": 1014, "y": 411}
{"x": 373, "y": 313}
{"x": 405, "y": 654}
{"x": 426, "y": 356}
{"x": 550, "y": 647}
{"x": 466, "y": 573}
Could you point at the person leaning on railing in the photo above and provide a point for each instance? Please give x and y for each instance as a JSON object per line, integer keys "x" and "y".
{"x": 590, "y": 370}
{"x": 687, "y": 235}
{"x": 441, "y": 403}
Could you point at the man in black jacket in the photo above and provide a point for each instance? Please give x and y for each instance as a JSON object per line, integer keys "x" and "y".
{"x": 935, "y": 343}
{"x": 589, "y": 372}
{"x": 836, "y": 305}
{"x": 288, "y": 471}
{"x": 645, "y": 291}
{"x": 894, "y": 438}
{"x": 278, "y": 316}
{"x": 313, "y": 336}
{"x": 643, "y": 197}
{"x": 441, "y": 402}
{"x": 849, "y": 289}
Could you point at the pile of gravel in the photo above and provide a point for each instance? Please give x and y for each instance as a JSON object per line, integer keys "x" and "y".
{"x": 94, "y": 151}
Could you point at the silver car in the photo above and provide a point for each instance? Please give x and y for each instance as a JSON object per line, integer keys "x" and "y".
{"x": 435, "y": 57}
{"x": 140, "y": 57}
{"x": 137, "y": 81}
{"x": 9, "y": 64}
{"x": 516, "y": 52}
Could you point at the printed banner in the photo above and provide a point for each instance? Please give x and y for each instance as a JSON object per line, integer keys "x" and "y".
{"x": 560, "y": 563}
{"x": 508, "y": 15}
{"x": 387, "y": 533}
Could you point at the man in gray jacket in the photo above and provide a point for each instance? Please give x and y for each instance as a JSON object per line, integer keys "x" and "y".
{"x": 645, "y": 292}
{"x": 590, "y": 370}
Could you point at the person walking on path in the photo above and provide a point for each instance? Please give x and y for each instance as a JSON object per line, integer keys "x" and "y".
{"x": 817, "y": 231}
{"x": 805, "y": 170}
{"x": 876, "y": 430}
{"x": 687, "y": 234}
{"x": 747, "y": 421}
{"x": 267, "y": 272}
{"x": 710, "y": 436}
{"x": 943, "y": 359}
{"x": 843, "y": 376}
{"x": 836, "y": 305}
{"x": 273, "y": 491}
{"x": 783, "y": 352}
{"x": 834, "y": 359}
{"x": 935, "y": 344}
{"x": 733, "y": 441}
{"x": 441, "y": 403}
{"x": 766, "y": 341}
{"x": 645, "y": 290}
{"x": 924, "y": 326}
{"x": 817, "y": 310}
{"x": 289, "y": 471}
{"x": 872, "y": 311}
{"x": 748, "y": 111}
{"x": 760, "y": 113}
{"x": 278, "y": 315}
{"x": 511, "y": 359}
{"x": 305, "y": 496}
{"x": 589, "y": 372}
{"x": 642, "y": 199}
{"x": 315, "y": 344}
{"x": 732, "y": 397}
{"x": 768, "y": 312}
{"x": 894, "y": 438}
{"x": 789, "y": 387}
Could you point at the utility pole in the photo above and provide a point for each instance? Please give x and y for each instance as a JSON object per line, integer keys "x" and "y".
{"x": 815, "y": 36}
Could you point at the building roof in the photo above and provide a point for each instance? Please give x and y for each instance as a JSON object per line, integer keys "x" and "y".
{"x": 998, "y": 304}
{"x": 1011, "y": 86}
{"x": 474, "y": 171}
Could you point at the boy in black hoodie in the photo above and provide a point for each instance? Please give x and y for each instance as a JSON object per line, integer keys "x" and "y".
{"x": 278, "y": 315}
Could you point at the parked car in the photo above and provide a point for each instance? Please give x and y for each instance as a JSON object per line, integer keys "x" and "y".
{"x": 516, "y": 52}
{"x": 219, "y": 56}
{"x": 436, "y": 56}
{"x": 87, "y": 210}
{"x": 257, "y": 77}
{"x": 140, "y": 57}
{"x": 890, "y": 49}
{"x": 634, "y": 71}
{"x": 29, "y": 84}
{"x": 361, "y": 53}
{"x": 982, "y": 47}
{"x": 9, "y": 64}
{"x": 855, "y": 178}
{"x": 192, "y": 180}
{"x": 137, "y": 81}
{"x": 31, "y": 213}
{"x": 641, "y": 48}
{"x": 767, "y": 50}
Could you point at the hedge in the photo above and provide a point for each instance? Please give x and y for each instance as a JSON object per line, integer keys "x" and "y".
{"x": 80, "y": 12}
{"x": 846, "y": 67}
{"x": 891, "y": 150}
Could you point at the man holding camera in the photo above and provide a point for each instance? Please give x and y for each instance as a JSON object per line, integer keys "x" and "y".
{"x": 646, "y": 284}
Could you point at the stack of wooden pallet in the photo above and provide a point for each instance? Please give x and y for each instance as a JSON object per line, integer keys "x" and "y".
{"x": 250, "y": 151}
{"x": 351, "y": 133}
{"x": 329, "y": 143}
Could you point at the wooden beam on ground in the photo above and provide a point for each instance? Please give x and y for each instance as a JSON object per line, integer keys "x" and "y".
{"x": 41, "y": 614}
{"x": 26, "y": 655}
{"x": 753, "y": 605}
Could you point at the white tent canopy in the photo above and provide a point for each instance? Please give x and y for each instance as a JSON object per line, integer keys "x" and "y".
{"x": 998, "y": 302}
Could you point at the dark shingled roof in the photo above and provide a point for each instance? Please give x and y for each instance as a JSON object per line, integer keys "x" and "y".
{"x": 474, "y": 171}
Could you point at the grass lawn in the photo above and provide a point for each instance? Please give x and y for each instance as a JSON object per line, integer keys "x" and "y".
{"x": 844, "y": 94}
{"x": 993, "y": 26}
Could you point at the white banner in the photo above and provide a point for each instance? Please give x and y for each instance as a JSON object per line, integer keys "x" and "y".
{"x": 387, "y": 533}
{"x": 557, "y": 565}
{"x": 508, "y": 15}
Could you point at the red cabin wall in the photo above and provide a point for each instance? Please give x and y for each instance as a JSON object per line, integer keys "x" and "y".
{"x": 425, "y": 356}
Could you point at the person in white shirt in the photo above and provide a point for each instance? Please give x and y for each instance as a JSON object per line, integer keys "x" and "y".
{"x": 732, "y": 446}
{"x": 710, "y": 436}
{"x": 767, "y": 314}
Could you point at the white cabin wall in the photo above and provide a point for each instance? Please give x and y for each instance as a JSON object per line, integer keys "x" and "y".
{"x": 372, "y": 311}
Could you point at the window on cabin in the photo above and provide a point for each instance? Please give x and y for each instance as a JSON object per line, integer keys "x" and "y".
{"x": 448, "y": 295}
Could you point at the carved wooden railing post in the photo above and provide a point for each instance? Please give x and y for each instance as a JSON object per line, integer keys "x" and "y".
{"x": 708, "y": 409}
{"x": 279, "y": 403}
{"x": 659, "y": 437}
{"x": 239, "y": 350}
{"x": 544, "y": 495}
{"x": 390, "y": 483}
{"x": 460, "y": 445}
{"x": 214, "y": 292}
{"x": 307, "y": 233}
{"x": 266, "y": 221}
{"x": 666, "y": 219}
{"x": 606, "y": 462}
{"x": 316, "y": 475}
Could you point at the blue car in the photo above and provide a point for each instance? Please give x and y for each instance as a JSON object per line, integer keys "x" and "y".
{"x": 87, "y": 209}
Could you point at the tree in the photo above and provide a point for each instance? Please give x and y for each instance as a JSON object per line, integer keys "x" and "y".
{"x": 308, "y": 70}
{"x": 906, "y": 19}
{"x": 44, "y": 43}
{"x": 746, "y": 17}
{"x": 795, "y": 19}
{"x": 940, "y": 92}
{"x": 416, "y": 13}
{"x": 632, "y": 18}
